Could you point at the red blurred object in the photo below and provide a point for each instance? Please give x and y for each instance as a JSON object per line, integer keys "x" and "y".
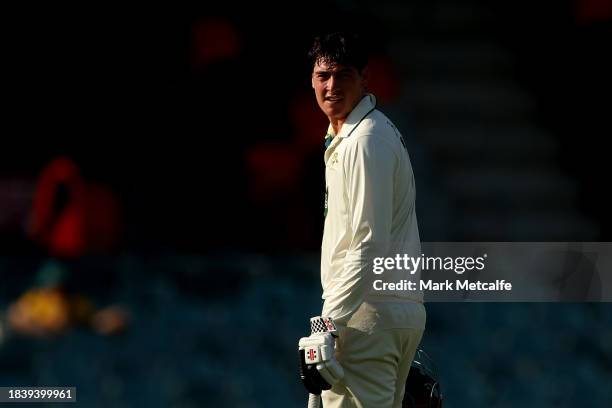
{"x": 57, "y": 219}
{"x": 102, "y": 222}
{"x": 274, "y": 168}
{"x": 588, "y": 11}
{"x": 70, "y": 217}
{"x": 384, "y": 80}
{"x": 214, "y": 40}
{"x": 309, "y": 123}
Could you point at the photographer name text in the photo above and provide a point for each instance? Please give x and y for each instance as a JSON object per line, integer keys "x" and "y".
{"x": 430, "y": 285}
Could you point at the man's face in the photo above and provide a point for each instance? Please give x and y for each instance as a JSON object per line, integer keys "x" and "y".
{"x": 338, "y": 88}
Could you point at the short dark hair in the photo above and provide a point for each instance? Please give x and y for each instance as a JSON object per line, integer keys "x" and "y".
{"x": 339, "y": 48}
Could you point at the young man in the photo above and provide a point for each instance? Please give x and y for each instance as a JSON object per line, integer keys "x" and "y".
{"x": 369, "y": 213}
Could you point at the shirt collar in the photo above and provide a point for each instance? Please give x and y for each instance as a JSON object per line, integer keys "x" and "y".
{"x": 360, "y": 111}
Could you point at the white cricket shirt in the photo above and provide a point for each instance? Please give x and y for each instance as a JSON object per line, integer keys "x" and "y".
{"x": 370, "y": 212}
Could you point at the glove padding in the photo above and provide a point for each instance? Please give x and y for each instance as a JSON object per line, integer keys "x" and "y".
{"x": 319, "y": 369}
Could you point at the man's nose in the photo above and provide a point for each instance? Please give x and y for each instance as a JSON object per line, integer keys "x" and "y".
{"x": 331, "y": 83}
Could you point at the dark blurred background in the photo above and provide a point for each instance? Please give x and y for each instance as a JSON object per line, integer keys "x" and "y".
{"x": 161, "y": 190}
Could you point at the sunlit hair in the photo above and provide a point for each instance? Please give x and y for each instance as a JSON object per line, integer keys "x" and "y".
{"x": 339, "y": 48}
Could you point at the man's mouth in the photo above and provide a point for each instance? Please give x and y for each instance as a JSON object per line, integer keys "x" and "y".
{"x": 333, "y": 98}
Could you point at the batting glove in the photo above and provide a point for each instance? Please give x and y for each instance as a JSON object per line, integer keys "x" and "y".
{"x": 319, "y": 368}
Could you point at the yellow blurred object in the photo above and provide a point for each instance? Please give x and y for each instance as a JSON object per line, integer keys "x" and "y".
{"x": 40, "y": 311}
{"x": 50, "y": 311}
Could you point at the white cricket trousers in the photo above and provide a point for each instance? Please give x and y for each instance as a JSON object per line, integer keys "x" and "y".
{"x": 376, "y": 365}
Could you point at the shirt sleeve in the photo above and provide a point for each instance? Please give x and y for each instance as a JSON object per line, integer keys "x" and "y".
{"x": 368, "y": 167}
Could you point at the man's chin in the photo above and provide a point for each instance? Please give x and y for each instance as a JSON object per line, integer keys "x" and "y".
{"x": 335, "y": 113}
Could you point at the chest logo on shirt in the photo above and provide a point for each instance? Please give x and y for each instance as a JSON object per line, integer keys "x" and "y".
{"x": 333, "y": 159}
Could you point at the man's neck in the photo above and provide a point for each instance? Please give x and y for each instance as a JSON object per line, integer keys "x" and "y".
{"x": 336, "y": 124}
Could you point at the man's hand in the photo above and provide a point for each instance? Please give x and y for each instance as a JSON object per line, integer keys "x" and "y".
{"x": 319, "y": 368}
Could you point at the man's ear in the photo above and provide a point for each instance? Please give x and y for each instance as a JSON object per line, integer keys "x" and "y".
{"x": 312, "y": 81}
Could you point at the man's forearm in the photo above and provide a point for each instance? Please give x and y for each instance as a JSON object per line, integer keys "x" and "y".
{"x": 346, "y": 292}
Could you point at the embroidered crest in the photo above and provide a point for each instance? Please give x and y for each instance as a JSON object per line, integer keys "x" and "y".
{"x": 334, "y": 158}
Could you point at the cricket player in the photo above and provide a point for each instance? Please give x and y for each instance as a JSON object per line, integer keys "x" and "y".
{"x": 369, "y": 212}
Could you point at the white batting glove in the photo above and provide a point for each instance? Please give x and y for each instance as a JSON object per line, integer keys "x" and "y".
{"x": 319, "y": 350}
